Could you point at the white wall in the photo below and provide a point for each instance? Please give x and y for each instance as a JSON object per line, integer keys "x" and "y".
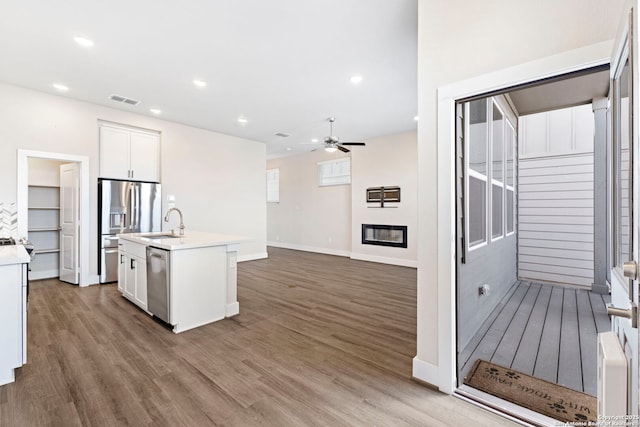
{"x": 329, "y": 219}
{"x": 308, "y": 217}
{"x": 386, "y": 161}
{"x": 44, "y": 172}
{"x": 457, "y": 41}
{"x": 555, "y": 197}
{"x": 192, "y": 161}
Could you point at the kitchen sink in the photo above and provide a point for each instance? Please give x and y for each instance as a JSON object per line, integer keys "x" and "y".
{"x": 162, "y": 236}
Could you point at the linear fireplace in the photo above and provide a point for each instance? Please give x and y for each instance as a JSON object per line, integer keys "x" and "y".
{"x": 384, "y": 235}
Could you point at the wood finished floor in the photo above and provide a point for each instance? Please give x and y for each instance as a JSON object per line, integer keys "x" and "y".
{"x": 320, "y": 341}
{"x": 549, "y": 332}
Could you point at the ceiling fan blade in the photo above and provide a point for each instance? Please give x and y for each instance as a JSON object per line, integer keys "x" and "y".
{"x": 341, "y": 148}
{"x": 352, "y": 143}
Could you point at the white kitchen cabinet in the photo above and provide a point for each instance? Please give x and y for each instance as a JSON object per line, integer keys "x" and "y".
{"x": 129, "y": 154}
{"x": 13, "y": 311}
{"x": 132, "y": 272}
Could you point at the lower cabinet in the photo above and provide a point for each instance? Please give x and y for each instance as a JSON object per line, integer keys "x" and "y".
{"x": 13, "y": 320}
{"x": 132, "y": 272}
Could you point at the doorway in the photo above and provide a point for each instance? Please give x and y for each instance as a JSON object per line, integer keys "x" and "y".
{"x": 524, "y": 300}
{"x": 445, "y": 123}
{"x": 44, "y": 220}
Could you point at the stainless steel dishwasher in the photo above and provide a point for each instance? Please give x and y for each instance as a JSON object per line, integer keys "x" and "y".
{"x": 158, "y": 282}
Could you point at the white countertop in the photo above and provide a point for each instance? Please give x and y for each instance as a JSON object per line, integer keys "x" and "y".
{"x": 190, "y": 240}
{"x": 13, "y": 254}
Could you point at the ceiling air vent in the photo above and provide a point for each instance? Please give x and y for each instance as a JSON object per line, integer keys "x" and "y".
{"x": 123, "y": 99}
{"x": 282, "y": 134}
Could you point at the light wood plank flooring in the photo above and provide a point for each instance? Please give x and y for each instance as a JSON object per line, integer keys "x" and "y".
{"x": 545, "y": 331}
{"x": 320, "y": 341}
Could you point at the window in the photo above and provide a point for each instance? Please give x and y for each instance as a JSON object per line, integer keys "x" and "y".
{"x": 477, "y": 172}
{"x": 510, "y": 141}
{"x": 334, "y": 172}
{"x": 497, "y": 172}
{"x": 273, "y": 185}
{"x": 622, "y": 168}
{"x": 490, "y": 142}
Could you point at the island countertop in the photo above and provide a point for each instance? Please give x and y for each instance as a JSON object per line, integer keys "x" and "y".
{"x": 13, "y": 254}
{"x": 190, "y": 240}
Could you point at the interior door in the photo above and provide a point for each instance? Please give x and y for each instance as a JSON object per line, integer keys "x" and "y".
{"x": 624, "y": 185}
{"x": 69, "y": 223}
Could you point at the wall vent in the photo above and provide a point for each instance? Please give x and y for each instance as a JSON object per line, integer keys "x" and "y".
{"x": 282, "y": 134}
{"x": 124, "y": 99}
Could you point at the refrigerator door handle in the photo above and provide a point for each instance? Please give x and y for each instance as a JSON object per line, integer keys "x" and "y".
{"x": 136, "y": 207}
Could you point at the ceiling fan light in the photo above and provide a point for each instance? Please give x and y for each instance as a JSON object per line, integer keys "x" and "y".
{"x": 330, "y": 148}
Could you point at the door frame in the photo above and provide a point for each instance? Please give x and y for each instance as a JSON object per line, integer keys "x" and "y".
{"x": 443, "y": 373}
{"x": 23, "y": 198}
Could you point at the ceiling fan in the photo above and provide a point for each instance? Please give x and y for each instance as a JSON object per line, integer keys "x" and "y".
{"x": 333, "y": 144}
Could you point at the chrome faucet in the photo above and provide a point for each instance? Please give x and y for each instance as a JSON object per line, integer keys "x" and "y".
{"x": 166, "y": 219}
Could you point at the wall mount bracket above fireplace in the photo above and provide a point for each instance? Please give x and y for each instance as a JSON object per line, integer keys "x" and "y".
{"x": 383, "y": 195}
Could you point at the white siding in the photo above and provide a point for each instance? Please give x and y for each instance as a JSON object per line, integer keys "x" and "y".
{"x": 555, "y": 197}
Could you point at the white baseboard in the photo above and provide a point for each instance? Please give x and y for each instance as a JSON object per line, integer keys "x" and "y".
{"x": 327, "y": 251}
{"x": 44, "y": 274}
{"x": 252, "y": 257}
{"x": 93, "y": 279}
{"x": 426, "y": 372}
{"x": 232, "y": 309}
{"x": 385, "y": 260}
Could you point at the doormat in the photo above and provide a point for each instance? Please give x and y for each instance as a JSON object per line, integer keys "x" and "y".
{"x": 544, "y": 397}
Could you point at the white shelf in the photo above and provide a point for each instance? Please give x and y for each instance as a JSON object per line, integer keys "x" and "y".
{"x": 44, "y": 229}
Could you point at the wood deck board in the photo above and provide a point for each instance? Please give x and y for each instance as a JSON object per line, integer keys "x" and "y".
{"x": 506, "y": 350}
{"x": 491, "y": 339}
{"x": 570, "y": 360}
{"x": 547, "y": 360}
{"x": 557, "y": 342}
{"x": 465, "y": 354}
{"x": 525, "y": 359}
{"x": 588, "y": 343}
{"x": 598, "y": 306}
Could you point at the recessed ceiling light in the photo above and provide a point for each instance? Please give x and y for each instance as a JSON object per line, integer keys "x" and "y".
{"x": 155, "y": 110}
{"x": 199, "y": 83}
{"x": 61, "y": 87}
{"x": 242, "y": 120}
{"x": 416, "y": 118}
{"x": 288, "y": 148}
{"x": 314, "y": 140}
{"x": 355, "y": 79}
{"x": 83, "y": 41}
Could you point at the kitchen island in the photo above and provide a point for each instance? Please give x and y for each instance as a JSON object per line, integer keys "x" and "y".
{"x": 185, "y": 280}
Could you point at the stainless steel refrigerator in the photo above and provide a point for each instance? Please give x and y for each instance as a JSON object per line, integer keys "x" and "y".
{"x": 124, "y": 207}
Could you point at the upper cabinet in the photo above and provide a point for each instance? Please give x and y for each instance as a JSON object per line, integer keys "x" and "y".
{"x": 129, "y": 154}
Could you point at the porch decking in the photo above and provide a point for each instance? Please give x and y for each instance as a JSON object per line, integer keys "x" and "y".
{"x": 545, "y": 331}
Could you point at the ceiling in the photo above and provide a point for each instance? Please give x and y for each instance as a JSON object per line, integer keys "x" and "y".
{"x": 564, "y": 92}
{"x": 282, "y": 65}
